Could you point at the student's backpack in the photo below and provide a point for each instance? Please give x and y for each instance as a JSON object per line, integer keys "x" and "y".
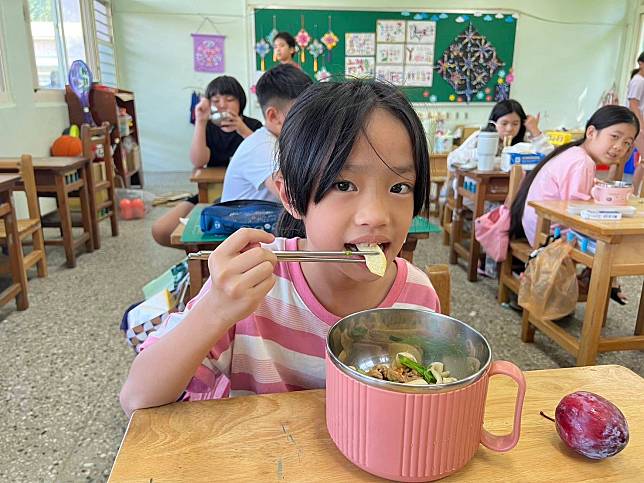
{"x": 225, "y": 218}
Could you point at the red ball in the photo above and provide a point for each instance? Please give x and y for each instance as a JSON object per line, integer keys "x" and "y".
{"x": 67, "y": 146}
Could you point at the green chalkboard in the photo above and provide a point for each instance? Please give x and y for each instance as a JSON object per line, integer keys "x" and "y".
{"x": 469, "y": 65}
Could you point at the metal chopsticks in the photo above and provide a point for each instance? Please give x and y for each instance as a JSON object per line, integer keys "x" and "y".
{"x": 303, "y": 256}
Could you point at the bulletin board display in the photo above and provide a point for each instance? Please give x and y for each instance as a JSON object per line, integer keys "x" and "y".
{"x": 432, "y": 56}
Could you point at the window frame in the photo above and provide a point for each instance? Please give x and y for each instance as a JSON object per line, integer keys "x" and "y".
{"x": 88, "y": 22}
{"x": 5, "y": 94}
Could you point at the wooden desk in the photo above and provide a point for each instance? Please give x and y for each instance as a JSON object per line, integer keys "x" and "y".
{"x": 207, "y": 178}
{"x": 191, "y": 239}
{"x": 284, "y": 436}
{"x": 490, "y": 186}
{"x": 620, "y": 252}
{"x": 60, "y": 176}
{"x": 18, "y": 287}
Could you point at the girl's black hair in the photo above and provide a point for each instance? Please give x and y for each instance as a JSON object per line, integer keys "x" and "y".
{"x": 226, "y": 85}
{"x": 602, "y": 118}
{"x": 503, "y": 108}
{"x": 320, "y": 131}
{"x": 286, "y": 37}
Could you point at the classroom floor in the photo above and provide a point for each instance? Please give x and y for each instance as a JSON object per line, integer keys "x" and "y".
{"x": 64, "y": 359}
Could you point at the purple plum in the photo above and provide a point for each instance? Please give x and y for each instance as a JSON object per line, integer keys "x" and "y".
{"x": 591, "y": 425}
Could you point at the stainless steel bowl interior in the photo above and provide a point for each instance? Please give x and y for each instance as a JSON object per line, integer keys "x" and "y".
{"x": 372, "y": 337}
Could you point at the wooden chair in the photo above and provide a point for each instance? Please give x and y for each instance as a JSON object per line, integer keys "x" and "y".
{"x": 437, "y": 176}
{"x": 520, "y": 249}
{"x": 440, "y": 278}
{"x": 101, "y": 191}
{"x": 30, "y": 227}
{"x": 92, "y": 137}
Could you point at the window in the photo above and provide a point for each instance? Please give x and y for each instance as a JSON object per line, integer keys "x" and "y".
{"x": 63, "y": 31}
{"x": 105, "y": 58}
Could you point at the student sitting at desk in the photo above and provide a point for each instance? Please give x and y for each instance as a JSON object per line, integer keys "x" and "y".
{"x": 259, "y": 326}
{"x": 250, "y": 173}
{"x": 212, "y": 145}
{"x": 568, "y": 173}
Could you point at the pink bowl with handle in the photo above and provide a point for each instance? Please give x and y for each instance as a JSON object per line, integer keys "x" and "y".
{"x": 405, "y": 432}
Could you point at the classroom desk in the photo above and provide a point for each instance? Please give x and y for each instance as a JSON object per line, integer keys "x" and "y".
{"x": 18, "y": 287}
{"x": 192, "y": 239}
{"x": 59, "y": 176}
{"x": 490, "y": 186}
{"x": 284, "y": 436}
{"x": 207, "y": 179}
{"x": 620, "y": 252}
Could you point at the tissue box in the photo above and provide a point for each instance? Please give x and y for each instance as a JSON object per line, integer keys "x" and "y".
{"x": 527, "y": 160}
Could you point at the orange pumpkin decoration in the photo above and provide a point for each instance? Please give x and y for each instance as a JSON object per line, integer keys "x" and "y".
{"x": 67, "y": 146}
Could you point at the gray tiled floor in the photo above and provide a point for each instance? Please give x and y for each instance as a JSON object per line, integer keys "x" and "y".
{"x": 64, "y": 360}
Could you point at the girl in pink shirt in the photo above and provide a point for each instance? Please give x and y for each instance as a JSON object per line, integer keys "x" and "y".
{"x": 568, "y": 173}
{"x": 353, "y": 168}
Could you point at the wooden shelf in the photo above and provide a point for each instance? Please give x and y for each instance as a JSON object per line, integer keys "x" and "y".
{"x": 104, "y": 105}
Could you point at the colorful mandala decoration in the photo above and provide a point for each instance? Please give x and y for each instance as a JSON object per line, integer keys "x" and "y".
{"x": 302, "y": 39}
{"x": 469, "y": 63}
{"x": 330, "y": 40}
{"x": 323, "y": 75}
{"x": 262, "y": 48}
{"x": 271, "y": 36}
{"x": 316, "y": 49}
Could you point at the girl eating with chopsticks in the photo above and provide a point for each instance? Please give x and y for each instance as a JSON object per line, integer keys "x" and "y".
{"x": 353, "y": 172}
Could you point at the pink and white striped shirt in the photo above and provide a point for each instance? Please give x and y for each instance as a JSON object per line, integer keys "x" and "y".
{"x": 281, "y": 346}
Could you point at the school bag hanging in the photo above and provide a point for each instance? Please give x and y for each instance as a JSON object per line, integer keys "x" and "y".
{"x": 226, "y": 218}
{"x": 491, "y": 231}
{"x": 549, "y": 288}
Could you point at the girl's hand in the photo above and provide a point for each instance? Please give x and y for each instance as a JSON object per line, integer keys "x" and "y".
{"x": 202, "y": 111}
{"x": 235, "y": 122}
{"x": 241, "y": 273}
{"x": 532, "y": 125}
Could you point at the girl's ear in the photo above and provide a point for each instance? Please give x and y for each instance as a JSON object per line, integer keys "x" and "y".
{"x": 591, "y": 132}
{"x": 281, "y": 189}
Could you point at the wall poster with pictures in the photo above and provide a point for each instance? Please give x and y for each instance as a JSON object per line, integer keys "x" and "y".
{"x": 433, "y": 56}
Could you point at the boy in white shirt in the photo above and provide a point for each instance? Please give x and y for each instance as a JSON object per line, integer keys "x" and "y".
{"x": 249, "y": 175}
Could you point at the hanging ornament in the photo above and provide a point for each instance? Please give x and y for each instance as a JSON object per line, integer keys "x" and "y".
{"x": 271, "y": 36}
{"x": 262, "y": 48}
{"x": 302, "y": 39}
{"x": 316, "y": 49}
{"x": 323, "y": 75}
{"x": 330, "y": 40}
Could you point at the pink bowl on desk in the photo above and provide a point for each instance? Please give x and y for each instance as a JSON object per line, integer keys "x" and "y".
{"x": 615, "y": 193}
{"x": 406, "y": 432}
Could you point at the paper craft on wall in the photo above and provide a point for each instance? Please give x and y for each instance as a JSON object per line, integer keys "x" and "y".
{"x": 420, "y": 75}
{"x": 469, "y": 63}
{"x": 363, "y": 67}
{"x": 390, "y": 30}
{"x": 262, "y": 48}
{"x": 330, "y": 40}
{"x": 302, "y": 39}
{"x": 360, "y": 44}
{"x": 421, "y": 32}
{"x": 390, "y": 53}
{"x": 391, "y": 73}
{"x": 419, "y": 54}
{"x": 208, "y": 52}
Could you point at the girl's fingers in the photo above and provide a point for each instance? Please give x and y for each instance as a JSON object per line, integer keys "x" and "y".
{"x": 256, "y": 275}
{"x": 250, "y": 259}
{"x": 261, "y": 289}
{"x": 239, "y": 240}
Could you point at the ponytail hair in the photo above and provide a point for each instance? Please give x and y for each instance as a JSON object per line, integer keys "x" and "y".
{"x": 602, "y": 118}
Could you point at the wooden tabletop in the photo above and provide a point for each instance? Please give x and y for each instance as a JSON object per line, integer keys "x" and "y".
{"x": 58, "y": 163}
{"x": 284, "y": 436}
{"x": 8, "y": 180}
{"x": 558, "y": 211}
{"x": 208, "y": 175}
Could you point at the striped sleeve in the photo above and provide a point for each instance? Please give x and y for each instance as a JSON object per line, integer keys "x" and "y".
{"x": 418, "y": 291}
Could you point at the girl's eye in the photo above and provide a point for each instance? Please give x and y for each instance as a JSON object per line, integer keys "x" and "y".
{"x": 401, "y": 188}
{"x": 345, "y": 186}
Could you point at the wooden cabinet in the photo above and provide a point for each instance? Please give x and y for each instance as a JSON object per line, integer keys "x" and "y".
{"x": 105, "y": 103}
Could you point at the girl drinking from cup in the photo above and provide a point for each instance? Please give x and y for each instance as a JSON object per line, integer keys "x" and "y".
{"x": 353, "y": 170}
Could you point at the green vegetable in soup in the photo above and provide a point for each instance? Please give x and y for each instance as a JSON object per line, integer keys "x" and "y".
{"x": 420, "y": 369}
